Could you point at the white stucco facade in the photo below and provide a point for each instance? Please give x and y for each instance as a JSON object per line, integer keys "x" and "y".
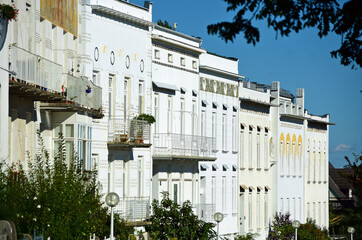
{"x": 218, "y": 116}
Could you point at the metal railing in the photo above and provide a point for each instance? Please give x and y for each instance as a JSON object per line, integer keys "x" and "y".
{"x": 167, "y": 144}
{"x": 122, "y": 130}
{"x": 83, "y": 92}
{"x": 133, "y": 208}
{"x": 36, "y": 70}
{"x": 205, "y": 211}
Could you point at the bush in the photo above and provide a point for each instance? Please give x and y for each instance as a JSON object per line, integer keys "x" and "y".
{"x": 171, "y": 220}
{"x": 62, "y": 200}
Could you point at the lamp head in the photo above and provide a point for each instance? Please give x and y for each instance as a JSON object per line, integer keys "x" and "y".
{"x": 218, "y": 217}
{"x": 351, "y": 230}
{"x": 296, "y": 224}
{"x": 112, "y": 199}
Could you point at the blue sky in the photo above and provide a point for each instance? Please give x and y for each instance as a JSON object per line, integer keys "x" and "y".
{"x": 299, "y": 61}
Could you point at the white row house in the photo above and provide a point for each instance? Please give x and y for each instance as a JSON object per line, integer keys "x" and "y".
{"x": 227, "y": 145}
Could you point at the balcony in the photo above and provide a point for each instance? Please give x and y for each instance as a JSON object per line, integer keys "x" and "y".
{"x": 34, "y": 77}
{"x": 80, "y": 95}
{"x": 134, "y": 210}
{"x": 128, "y": 133}
{"x": 204, "y": 211}
{"x": 181, "y": 146}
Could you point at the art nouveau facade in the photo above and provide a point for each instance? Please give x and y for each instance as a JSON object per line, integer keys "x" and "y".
{"x": 178, "y": 145}
{"x": 244, "y": 149}
{"x": 255, "y": 159}
{"x": 218, "y": 116}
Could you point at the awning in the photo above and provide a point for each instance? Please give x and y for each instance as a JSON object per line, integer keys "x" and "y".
{"x": 204, "y": 166}
{"x": 215, "y": 105}
{"x": 183, "y": 90}
{"x": 244, "y": 187}
{"x": 194, "y": 92}
{"x": 204, "y": 103}
{"x": 252, "y": 188}
{"x": 165, "y": 86}
{"x": 235, "y": 167}
{"x": 268, "y": 188}
{"x": 235, "y": 108}
{"x": 225, "y": 106}
{"x": 225, "y": 167}
{"x": 259, "y": 188}
{"x": 215, "y": 166}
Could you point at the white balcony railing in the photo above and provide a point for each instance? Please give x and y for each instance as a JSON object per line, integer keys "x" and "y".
{"x": 291, "y": 109}
{"x": 133, "y": 209}
{"x": 205, "y": 211}
{"x": 122, "y": 130}
{"x": 83, "y": 92}
{"x": 36, "y": 70}
{"x": 170, "y": 144}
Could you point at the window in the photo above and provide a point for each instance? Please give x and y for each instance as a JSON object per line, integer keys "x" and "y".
{"x": 194, "y": 118}
{"x": 170, "y": 58}
{"x": 194, "y": 64}
{"x": 282, "y": 164}
{"x": 266, "y": 148}
{"x": 182, "y": 122}
{"x": 266, "y": 208}
{"x": 95, "y": 78}
{"x": 314, "y": 162}
{"x": 214, "y": 130}
{"x": 281, "y": 205}
{"x": 288, "y": 158}
{"x": 140, "y": 176}
{"x": 84, "y": 146}
{"x": 234, "y": 134}
{"x": 294, "y": 160}
{"x": 169, "y": 114}
{"x": 308, "y": 210}
{"x": 182, "y": 61}
{"x": 224, "y": 130}
{"x": 157, "y": 54}
{"x": 250, "y": 149}
{"x": 125, "y": 97}
{"x": 110, "y": 96}
{"x": 203, "y": 116}
{"x": 233, "y": 195}
{"x": 288, "y": 205}
{"x": 68, "y": 140}
{"x": 156, "y": 112}
{"x": 258, "y": 209}
{"x": 213, "y": 190}
{"x": 224, "y": 194}
{"x": 309, "y": 161}
{"x": 140, "y": 96}
{"x": 250, "y": 213}
{"x": 300, "y": 159}
{"x": 258, "y": 150}
{"x": 241, "y": 147}
{"x": 325, "y": 163}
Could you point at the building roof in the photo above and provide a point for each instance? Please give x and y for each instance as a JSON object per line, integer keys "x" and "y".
{"x": 339, "y": 180}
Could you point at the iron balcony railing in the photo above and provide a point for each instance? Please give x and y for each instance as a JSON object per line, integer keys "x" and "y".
{"x": 170, "y": 144}
{"x": 133, "y": 209}
{"x": 121, "y": 130}
{"x": 36, "y": 70}
{"x": 205, "y": 211}
{"x": 83, "y": 92}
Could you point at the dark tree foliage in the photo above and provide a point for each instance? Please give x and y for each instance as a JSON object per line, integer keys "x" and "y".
{"x": 171, "y": 220}
{"x": 164, "y": 24}
{"x": 287, "y": 16}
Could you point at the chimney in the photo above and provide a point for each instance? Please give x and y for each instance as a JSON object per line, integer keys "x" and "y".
{"x": 275, "y": 88}
{"x": 148, "y": 5}
{"x": 300, "y": 97}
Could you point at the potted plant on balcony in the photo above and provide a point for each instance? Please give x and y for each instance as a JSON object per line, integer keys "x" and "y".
{"x": 138, "y": 128}
{"x": 7, "y": 12}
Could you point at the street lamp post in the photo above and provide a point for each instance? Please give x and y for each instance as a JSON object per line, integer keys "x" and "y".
{"x": 351, "y": 230}
{"x": 112, "y": 200}
{"x": 296, "y": 225}
{"x": 218, "y": 217}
